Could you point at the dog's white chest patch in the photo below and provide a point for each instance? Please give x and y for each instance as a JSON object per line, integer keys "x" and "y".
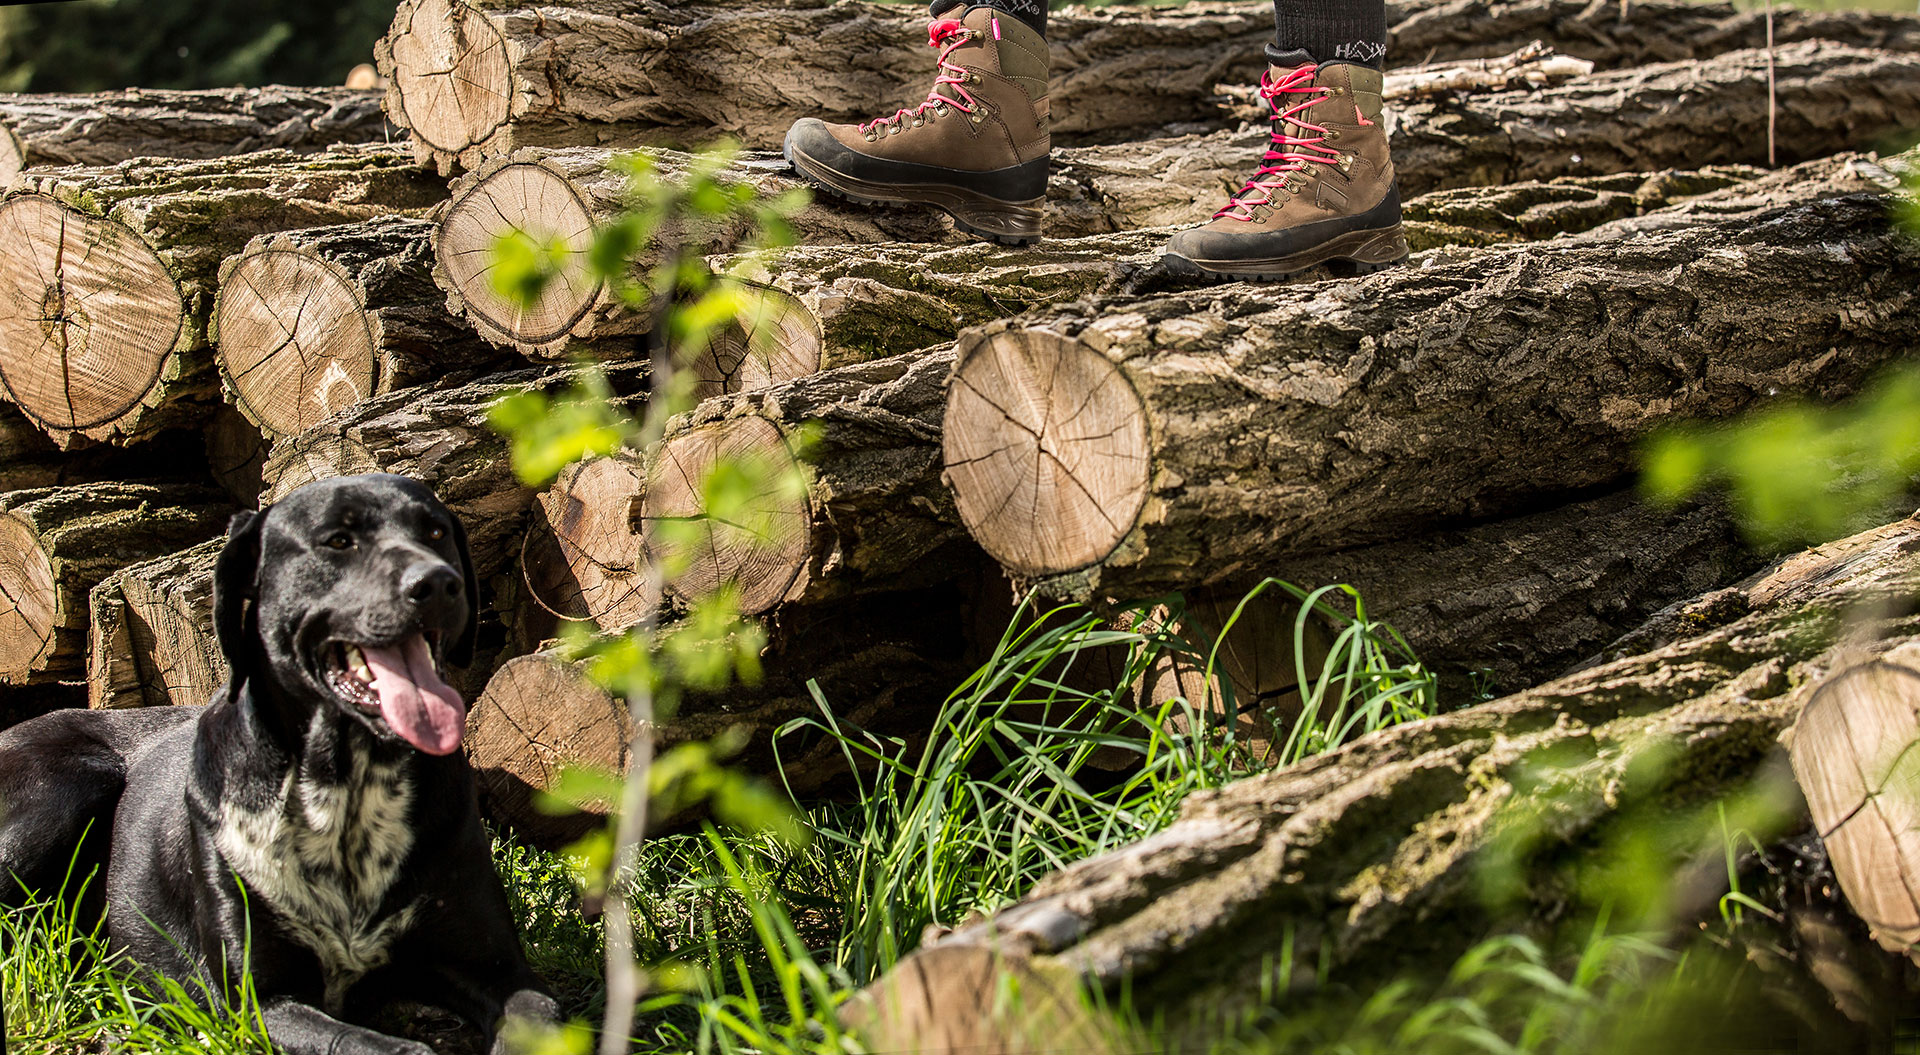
{"x": 323, "y": 856}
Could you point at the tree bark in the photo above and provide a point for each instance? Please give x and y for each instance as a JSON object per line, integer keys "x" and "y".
{"x": 560, "y": 198}
{"x": 1345, "y": 855}
{"x": 151, "y": 642}
{"x": 1682, "y": 115}
{"x": 1618, "y": 36}
{"x": 475, "y": 81}
{"x": 309, "y": 322}
{"x": 58, "y": 543}
{"x": 124, "y": 260}
{"x": 106, "y": 128}
{"x": 1126, "y": 448}
{"x": 1504, "y": 605}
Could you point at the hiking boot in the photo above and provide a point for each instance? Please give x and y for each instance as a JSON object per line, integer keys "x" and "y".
{"x": 1324, "y": 192}
{"x": 977, "y": 147}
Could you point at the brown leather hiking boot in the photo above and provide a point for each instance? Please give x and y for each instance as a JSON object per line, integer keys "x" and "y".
{"x": 977, "y": 147}
{"x": 1324, "y": 192}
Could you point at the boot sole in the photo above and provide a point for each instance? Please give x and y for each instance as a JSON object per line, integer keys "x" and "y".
{"x": 1005, "y": 222}
{"x": 1365, "y": 251}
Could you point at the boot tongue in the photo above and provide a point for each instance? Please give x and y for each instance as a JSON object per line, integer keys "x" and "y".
{"x": 424, "y": 710}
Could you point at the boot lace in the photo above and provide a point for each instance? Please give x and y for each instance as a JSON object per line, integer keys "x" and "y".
{"x": 946, "y": 35}
{"x": 1289, "y": 153}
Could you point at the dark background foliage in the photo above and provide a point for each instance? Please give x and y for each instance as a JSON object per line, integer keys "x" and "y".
{"x": 92, "y": 45}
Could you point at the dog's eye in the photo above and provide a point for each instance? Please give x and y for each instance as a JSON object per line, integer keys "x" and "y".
{"x": 339, "y": 540}
{"x": 436, "y": 533}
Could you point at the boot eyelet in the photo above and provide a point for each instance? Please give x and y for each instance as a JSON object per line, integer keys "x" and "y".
{"x": 893, "y": 130}
{"x": 977, "y": 117}
{"x": 941, "y": 110}
{"x": 1332, "y": 134}
{"x": 918, "y": 121}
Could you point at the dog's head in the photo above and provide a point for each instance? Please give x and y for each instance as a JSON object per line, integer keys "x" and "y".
{"x": 351, "y": 593}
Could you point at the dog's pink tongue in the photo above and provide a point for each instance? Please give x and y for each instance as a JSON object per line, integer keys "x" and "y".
{"x": 424, "y": 710}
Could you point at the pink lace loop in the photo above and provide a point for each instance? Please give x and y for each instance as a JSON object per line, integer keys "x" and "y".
{"x": 1289, "y": 153}
{"x": 945, "y": 34}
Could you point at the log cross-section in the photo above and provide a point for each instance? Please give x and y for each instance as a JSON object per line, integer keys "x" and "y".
{"x": 1137, "y": 446}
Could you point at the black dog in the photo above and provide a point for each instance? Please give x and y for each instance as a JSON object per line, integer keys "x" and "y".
{"x": 316, "y": 825}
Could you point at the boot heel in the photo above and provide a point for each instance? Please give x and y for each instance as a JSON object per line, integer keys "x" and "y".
{"x": 1386, "y": 247}
{"x": 1010, "y": 223}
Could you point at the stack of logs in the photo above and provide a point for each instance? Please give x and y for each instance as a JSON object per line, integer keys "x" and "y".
{"x": 211, "y": 298}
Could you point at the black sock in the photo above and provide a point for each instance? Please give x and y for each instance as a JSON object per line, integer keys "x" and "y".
{"x": 1032, "y": 12}
{"x": 1329, "y": 31}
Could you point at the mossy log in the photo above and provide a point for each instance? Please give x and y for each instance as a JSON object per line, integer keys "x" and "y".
{"x": 1618, "y": 36}
{"x": 559, "y": 198}
{"x": 58, "y": 543}
{"x": 105, "y": 298}
{"x": 151, "y": 640}
{"x": 1364, "y": 861}
{"x": 1126, "y": 448}
{"x": 884, "y": 665}
{"x": 309, "y": 322}
{"x": 106, "y": 128}
{"x": 477, "y": 80}
{"x": 1680, "y": 116}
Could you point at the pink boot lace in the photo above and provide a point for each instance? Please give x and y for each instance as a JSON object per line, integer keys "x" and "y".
{"x": 1289, "y": 153}
{"x": 946, "y": 34}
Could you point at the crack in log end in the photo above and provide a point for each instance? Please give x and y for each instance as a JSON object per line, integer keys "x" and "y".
{"x": 26, "y": 600}
{"x": 89, "y": 315}
{"x": 520, "y": 200}
{"x": 293, "y": 339}
{"x": 777, "y": 339}
{"x": 13, "y": 158}
{"x": 1045, "y": 449}
{"x": 448, "y": 76}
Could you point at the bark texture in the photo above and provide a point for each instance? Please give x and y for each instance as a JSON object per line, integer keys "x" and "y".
{"x": 479, "y": 80}
{"x": 309, "y": 322}
{"x": 1680, "y": 115}
{"x": 1159, "y": 442}
{"x": 151, "y": 640}
{"x": 106, "y": 128}
{"x": 125, "y": 260}
{"x": 1365, "y": 860}
{"x": 560, "y": 199}
{"x": 57, "y": 544}
{"x": 1508, "y": 604}
{"x": 1635, "y": 34}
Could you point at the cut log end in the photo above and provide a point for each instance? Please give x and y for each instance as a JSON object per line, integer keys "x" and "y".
{"x": 27, "y": 601}
{"x": 88, "y": 314}
{"x": 763, "y": 552}
{"x": 537, "y": 716}
{"x": 1854, "y": 758}
{"x": 1045, "y": 449}
{"x": 300, "y": 460}
{"x": 295, "y": 345}
{"x": 581, "y": 558}
{"x": 520, "y": 201}
{"x": 776, "y": 339}
{"x": 449, "y": 78}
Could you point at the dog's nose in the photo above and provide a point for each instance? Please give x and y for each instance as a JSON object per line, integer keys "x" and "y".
{"x": 426, "y": 582}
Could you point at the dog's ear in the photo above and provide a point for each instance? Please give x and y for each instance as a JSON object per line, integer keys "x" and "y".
{"x": 461, "y": 653}
{"x": 235, "y": 586}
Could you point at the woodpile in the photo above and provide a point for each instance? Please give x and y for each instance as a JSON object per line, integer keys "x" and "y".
{"x": 104, "y": 301}
{"x": 216, "y": 297}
